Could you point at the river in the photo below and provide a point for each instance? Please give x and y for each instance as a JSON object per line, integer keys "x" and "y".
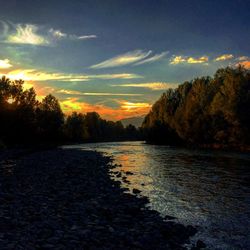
{"x": 207, "y": 189}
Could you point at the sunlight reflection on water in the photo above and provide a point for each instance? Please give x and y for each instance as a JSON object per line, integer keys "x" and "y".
{"x": 209, "y": 189}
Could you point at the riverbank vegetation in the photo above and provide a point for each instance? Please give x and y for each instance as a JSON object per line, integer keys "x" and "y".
{"x": 207, "y": 111}
{"x": 25, "y": 120}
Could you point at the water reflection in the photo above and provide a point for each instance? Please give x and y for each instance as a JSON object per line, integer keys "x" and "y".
{"x": 208, "y": 189}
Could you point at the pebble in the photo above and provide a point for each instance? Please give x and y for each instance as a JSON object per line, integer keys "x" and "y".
{"x": 65, "y": 199}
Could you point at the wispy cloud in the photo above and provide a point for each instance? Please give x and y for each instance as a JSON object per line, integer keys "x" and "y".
{"x": 73, "y": 92}
{"x": 35, "y": 75}
{"x": 86, "y": 37}
{"x": 223, "y": 57}
{"x": 35, "y": 35}
{"x": 58, "y": 34}
{"x": 242, "y": 58}
{"x": 150, "y": 85}
{"x": 124, "y": 59}
{"x": 154, "y": 58}
{"x": 5, "y": 64}
{"x": 190, "y": 60}
{"x": 27, "y": 34}
{"x": 116, "y": 76}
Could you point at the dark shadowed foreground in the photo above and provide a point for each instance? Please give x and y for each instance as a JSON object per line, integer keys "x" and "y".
{"x": 65, "y": 199}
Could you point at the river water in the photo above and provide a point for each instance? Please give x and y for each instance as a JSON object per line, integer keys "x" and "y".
{"x": 207, "y": 189}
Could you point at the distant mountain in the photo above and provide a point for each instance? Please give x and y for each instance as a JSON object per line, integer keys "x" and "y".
{"x": 136, "y": 121}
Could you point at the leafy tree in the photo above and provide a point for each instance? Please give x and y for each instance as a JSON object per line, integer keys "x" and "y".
{"x": 204, "y": 111}
{"x": 50, "y": 119}
{"x": 75, "y": 128}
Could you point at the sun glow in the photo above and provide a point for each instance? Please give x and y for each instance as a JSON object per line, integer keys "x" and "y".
{"x": 125, "y": 110}
{"x": 36, "y": 75}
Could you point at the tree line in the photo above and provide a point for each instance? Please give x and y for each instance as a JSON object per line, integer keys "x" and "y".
{"x": 205, "y": 111}
{"x": 25, "y": 120}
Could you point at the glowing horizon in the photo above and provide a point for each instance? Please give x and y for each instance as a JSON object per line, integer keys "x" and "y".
{"x": 101, "y": 57}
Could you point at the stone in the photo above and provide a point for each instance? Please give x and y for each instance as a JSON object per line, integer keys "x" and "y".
{"x": 136, "y": 191}
{"x": 200, "y": 244}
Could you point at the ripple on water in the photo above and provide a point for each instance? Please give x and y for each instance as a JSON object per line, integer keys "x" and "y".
{"x": 209, "y": 189}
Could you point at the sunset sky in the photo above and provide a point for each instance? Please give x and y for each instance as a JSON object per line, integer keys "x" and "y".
{"x": 117, "y": 57}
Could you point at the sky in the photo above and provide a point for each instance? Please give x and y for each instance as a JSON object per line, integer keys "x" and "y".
{"x": 116, "y": 57}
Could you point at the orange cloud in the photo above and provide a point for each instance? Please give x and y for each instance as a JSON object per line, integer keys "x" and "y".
{"x": 126, "y": 109}
{"x": 246, "y": 64}
{"x": 41, "y": 91}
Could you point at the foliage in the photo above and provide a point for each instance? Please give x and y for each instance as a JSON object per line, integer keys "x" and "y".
{"x": 25, "y": 120}
{"x": 92, "y": 128}
{"x": 204, "y": 111}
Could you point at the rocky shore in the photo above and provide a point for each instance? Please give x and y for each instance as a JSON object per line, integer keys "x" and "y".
{"x": 65, "y": 199}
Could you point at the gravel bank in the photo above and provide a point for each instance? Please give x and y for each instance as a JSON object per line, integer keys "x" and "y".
{"x": 65, "y": 199}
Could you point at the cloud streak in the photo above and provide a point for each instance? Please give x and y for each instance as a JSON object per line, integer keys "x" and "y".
{"x": 35, "y": 75}
{"x": 150, "y": 85}
{"x": 121, "y": 60}
{"x": 58, "y": 34}
{"x": 86, "y": 37}
{"x": 131, "y": 106}
{"x": 73, "y": 92}
{"x": 223, "y": 57}
{"x": 32, "y": 34}
{"x": 152, "y": 59}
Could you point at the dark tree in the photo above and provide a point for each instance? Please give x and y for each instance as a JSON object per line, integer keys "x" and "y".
{"x": 204, "y": 111}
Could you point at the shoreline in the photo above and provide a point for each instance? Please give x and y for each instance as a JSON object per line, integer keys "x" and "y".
{"x": 214, "y": 146}
{"x": 65, "y": 199}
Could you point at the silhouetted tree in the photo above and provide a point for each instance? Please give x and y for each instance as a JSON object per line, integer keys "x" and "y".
{"x": 50, "y": 119}
{"x": 204, "y": 111}
{"x": 75, "y": 128}
{"x": 24, "y": 120}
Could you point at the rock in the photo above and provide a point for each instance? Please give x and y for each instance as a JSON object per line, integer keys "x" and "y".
{"x": 167, "y": 217}
{"x": 200, "y": 244}
{"x": 67, "y": 200}
{"x": 136, "y": 191}
{"x": 111, "y": 229}
{"x": 48, "y": 246}
{"x": 191, "y": 230}
{"x": 74, "y": 227}
{"x": 128, "y": 173}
